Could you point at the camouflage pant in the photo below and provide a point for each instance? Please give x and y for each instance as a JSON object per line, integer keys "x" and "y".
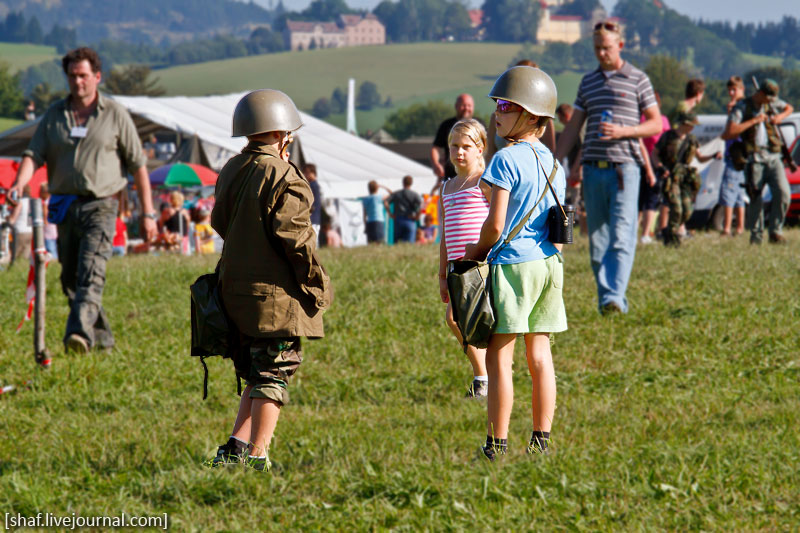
{"x": 84, "y": 246}
{"x": 680, "y": 192}
{"x": 267, "y": 365}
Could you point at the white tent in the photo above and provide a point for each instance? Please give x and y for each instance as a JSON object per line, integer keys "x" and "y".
{"x": 345, "y": 163}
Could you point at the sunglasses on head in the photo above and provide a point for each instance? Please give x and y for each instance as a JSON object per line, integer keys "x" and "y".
{"x": 504, "y": 106}
{"x": 608, "y": 26}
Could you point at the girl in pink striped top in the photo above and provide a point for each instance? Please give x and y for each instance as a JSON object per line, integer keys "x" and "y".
{"x": 464, "y": 205}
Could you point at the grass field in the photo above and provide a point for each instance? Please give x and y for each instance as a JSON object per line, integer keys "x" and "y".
{"x": 409, "y": 73}
{"x": 8, "y": 123}
{"x": 21, "y": 56}
{"x": 680, "y": 416}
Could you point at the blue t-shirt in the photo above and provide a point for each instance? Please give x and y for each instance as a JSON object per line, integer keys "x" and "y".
{"x": 516, "y": 170}
{"x": 373, "y": 207}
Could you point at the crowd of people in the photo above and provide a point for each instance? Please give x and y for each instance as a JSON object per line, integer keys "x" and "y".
{"x": 625, "y": 164}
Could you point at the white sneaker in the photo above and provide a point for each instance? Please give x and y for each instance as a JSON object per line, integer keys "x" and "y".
{"x": 646, "y": 239}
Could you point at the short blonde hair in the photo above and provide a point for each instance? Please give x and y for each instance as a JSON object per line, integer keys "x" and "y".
{"x": 176, "y": 199}
{"x": 473, "y": 130}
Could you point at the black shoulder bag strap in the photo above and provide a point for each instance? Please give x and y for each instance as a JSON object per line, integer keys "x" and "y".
{"x": 521, "y": 224}
{"x": 550, "y": 180}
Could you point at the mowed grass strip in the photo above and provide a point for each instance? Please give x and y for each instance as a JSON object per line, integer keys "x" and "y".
{"x": 21, "y": 56}
{"x": 681, "y": 415}
{"x": 401, "y": 71}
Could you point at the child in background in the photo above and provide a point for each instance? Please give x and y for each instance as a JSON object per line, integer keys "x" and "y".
{"x": 464, "y": 206}
{"x": 374, "y": 218}
{"x": 203, "y": 233}
{"x": 428, "y": 231}
{"x": 673, "y": 156}
{"x": 526, "y": 273}
{"x": 120, "y": 242}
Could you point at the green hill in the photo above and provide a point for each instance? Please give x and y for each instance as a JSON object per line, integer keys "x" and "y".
{"x": 22, "y": 56}
{"x": 407, "y": 73}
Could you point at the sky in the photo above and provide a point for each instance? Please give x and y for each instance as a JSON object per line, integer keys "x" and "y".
{"x": 746, "y": 11}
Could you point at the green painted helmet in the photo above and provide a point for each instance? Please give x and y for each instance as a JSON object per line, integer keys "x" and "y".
{"x": 528, "y": 87}
{"x": 265, "y": 110}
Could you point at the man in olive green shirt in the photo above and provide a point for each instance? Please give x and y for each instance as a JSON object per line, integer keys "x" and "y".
{"x": 88, "y": 143}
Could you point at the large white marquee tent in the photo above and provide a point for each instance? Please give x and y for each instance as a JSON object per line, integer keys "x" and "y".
{"x": 345, "y": 162}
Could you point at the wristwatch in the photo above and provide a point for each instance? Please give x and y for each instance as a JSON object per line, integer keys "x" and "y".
{"x": 151, "y": 216}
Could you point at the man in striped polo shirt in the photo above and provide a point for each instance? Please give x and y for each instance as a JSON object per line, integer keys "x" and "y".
{"x": 612, "y": 99}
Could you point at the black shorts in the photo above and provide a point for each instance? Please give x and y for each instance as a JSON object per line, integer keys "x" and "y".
{"x": 649, "y": 197}
{"x": 374, "y": 231}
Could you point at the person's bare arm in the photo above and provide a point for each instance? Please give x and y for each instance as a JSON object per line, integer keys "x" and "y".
{"x": 570, "y": 134}
{"x": 486, "y": 189}
{"x": 549, "y": 137}
{"x": 734, "y": 129}
{"x": 703, "y": 158}
{"x": 388, "y": 207}
{"x": 780, "y": 117}
{"x": 436, "y": 161}
{"x": 648, "y": 168}
{"x": 26, "y": 169}
{"x": 492, "y": 227}
{"x": 651, "y": 126}
{"x": 142, "y": 181}
{"x": 443, "y": 293}
{"x": 491, "y": 133}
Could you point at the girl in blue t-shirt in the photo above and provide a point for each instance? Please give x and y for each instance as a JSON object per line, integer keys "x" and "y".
{"x": 526, "y": 274}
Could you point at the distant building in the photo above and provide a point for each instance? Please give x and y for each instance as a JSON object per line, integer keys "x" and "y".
{"x": 567, "y": 28}
{"x": 349, "y": 30}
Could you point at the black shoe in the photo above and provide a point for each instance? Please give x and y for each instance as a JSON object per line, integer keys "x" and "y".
{"x": 229, "y": 453}
{"x": 777, "y": 238}
{"x": 610, "y": 309}
{"x": 539, "y": 446}
{"x": 490, "y": 453}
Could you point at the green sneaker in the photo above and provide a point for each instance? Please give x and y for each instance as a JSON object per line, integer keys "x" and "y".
{"x": 259, "y": 464}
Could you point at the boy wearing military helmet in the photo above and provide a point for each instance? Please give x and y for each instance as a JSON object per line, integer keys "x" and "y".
{"x": 672, "y": 158}
{"x": 273, "y": 287}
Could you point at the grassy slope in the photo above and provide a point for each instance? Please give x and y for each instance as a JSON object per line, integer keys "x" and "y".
{"x": 408, "y": 73}
{"x": 8, "y": 123}
{"x": 680, "y": 416}
{"x": 22, "y": 56}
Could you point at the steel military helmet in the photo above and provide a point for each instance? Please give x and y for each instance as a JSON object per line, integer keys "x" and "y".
{"x": 265, "y": 110}
{"x": 528, "y": 87}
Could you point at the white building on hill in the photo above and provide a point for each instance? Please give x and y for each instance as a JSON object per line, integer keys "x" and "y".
{"x": 348, "y": 30}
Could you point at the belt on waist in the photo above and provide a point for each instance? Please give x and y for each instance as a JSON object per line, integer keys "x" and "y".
{"x": 602, "y": 164}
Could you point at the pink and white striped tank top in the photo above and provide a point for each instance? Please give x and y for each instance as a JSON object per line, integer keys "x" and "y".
{"x": 464, "y": 213}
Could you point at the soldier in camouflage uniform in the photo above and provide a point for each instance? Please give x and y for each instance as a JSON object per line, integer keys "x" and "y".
{"x": 672, "y": 157}
{"x": 756, "y": 120}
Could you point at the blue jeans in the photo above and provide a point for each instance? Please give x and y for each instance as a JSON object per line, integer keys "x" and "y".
{"x": 611, "y": 197}
{"x": 405, "y": 229}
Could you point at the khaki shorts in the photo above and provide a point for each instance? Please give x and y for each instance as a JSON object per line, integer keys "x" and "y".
{"x": 527, "y": 297}
{"x": 267, "y": 365}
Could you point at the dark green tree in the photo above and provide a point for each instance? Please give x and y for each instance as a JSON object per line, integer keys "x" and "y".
{"x": 321, "y": 108}
{"x": 338, "y": 100}
{"x": 15, "y": 28}
{"x": 43, "y": 95}
{"x": 367, "y": 96}
{"x": 34, "y": 31}
{"x": 264, "y": 41}
{"x": 64, "y": 39}
{"x": 511, "y": 21}
{"x": 583, "y": 54}
{"x": 669, "y": 78}
{"x": 11, "y": 102}
{"x": 133, "y": 80}
{"x": 325, "y": 10}
{"x": 579, "y": 7}
{"x": 418, "y": 119}
{"x": 556, "y": 58}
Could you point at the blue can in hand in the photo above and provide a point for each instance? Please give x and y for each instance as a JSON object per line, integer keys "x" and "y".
{"x": 607, "y": 115}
